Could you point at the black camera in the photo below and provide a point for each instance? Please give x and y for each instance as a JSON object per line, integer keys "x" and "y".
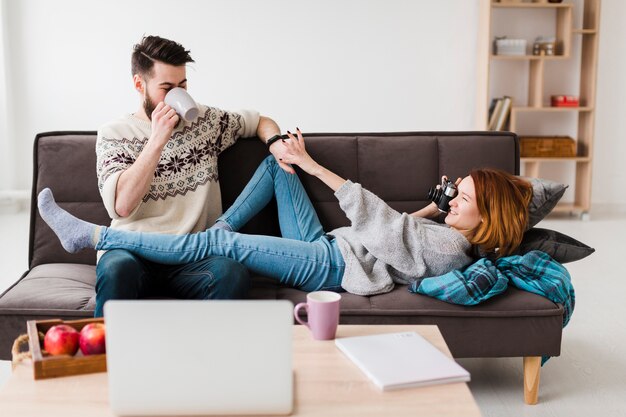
{"x": 442, "y": 194}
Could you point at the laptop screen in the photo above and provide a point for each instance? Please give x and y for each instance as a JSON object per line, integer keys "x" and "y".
{"x": 191, "y": 357}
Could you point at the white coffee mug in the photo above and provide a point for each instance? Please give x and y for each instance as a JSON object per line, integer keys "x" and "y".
{"x": 180, "y": 100}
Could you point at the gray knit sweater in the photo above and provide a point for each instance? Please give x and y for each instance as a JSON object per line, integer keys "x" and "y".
{"x": 383, "y": 246}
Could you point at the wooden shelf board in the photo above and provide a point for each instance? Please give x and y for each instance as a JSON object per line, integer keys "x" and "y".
{"x": 584, "y": 31}
{"x": 521, "y": 5}
{"x": 529, "y": 57}
{"x": 551, "y": 109}
{"x": 555, "y": 159}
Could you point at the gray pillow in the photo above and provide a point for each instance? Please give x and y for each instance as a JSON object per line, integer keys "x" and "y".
{"x": 560, "y": 247}
{"x": 545, "y": 196}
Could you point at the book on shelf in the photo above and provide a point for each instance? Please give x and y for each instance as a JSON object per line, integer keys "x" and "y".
{"x": 401, "y": 360}
{"x": 493, "y": 114}
{"x": 492, "y": 106}
{"x": 504, "y": 113}
{"x": 499, "y": 116}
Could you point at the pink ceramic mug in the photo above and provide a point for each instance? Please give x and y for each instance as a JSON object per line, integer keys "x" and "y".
{"x": 322, "y": 309}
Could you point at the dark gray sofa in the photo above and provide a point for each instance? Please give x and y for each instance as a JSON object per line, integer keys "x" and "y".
{"x": 399, "y": 167}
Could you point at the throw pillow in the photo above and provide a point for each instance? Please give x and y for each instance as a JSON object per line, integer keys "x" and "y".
{"x": 560, "y": 247}
{"x": 545, "y": 196}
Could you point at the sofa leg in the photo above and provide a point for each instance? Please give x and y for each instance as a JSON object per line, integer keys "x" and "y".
{"x": 532, "y": 368}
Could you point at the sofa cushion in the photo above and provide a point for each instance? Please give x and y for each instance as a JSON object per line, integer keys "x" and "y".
{"x": 546, "y": 194}
{"x": 411, "y": 162}
{"x": 53, "y": 289}
{"x": 559, "y": 246}
{"x": 66, "y": 163}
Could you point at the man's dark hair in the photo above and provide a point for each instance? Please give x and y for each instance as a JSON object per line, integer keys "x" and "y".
{"x": 155, "y": 48}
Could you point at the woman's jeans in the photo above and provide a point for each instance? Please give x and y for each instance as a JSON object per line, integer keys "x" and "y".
{"x": 304, "y": 257}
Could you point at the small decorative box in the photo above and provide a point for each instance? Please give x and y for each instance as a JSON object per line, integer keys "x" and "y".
{"x": 504, "y": 46}
{"x": 564, "y": 101}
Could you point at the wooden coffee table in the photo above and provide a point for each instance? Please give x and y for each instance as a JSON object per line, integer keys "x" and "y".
{"x": 326, "y": 384}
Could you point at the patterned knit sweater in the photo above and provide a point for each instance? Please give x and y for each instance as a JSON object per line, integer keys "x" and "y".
{"x": 383, "y": 246}
{"x": 184, "y": 196}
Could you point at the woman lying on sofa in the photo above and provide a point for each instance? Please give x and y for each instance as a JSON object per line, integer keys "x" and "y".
{"x": 380, "y": 248}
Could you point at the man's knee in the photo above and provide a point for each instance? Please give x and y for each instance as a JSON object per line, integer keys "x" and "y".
{"x": 231, "y": 279}
{"x": 118, "y": 276}
{"x": 270, "y": 161}
{"x": 118, "y": 269}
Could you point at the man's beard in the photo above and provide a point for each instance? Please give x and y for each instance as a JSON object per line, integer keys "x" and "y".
{"x": 148, "y": 106}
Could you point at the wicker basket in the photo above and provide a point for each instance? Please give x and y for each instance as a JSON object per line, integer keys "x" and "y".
{"x": 546, "y": 146}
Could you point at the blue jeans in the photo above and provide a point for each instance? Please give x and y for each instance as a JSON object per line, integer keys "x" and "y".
{"x": 121, "y": 274}
{"x": 303, "y": 258}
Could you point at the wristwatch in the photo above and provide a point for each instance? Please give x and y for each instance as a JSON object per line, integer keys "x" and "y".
{"x": 273, "y": 139}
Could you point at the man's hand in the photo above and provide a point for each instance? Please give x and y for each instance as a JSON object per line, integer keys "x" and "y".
{"x": 164, "y": 120}
{"x": 134, "y": 183}
{"x": 265, "y": 130}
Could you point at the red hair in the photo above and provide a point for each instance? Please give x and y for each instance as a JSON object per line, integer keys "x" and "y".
{"x": 502, "y": 201}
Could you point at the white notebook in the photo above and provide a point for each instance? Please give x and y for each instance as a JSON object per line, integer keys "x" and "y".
{"x": 401, "y": 360}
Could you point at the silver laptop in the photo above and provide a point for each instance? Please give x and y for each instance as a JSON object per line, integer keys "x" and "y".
{"x": 171, "y": 357}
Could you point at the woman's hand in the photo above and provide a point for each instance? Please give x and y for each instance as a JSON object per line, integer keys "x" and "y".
{"x": 296, "y": 153}
{"x": 278, "y": 149}
{"x": 429, "y": 212}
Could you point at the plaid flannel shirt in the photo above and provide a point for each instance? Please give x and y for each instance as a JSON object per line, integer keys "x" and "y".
{"x": 534, "y": 272}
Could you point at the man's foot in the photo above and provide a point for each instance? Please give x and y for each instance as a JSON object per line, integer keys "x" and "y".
{"x": 74, "y": 233}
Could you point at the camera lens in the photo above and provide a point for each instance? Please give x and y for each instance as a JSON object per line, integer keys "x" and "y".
{"x": 442, "y": 194}
{"x": 434, "y": 194}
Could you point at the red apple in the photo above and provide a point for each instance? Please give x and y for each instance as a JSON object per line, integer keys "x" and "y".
{"x": 92, "y": 341}
{"x": 61, "y": 340}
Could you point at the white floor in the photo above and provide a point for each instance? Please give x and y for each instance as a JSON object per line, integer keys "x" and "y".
{"x": 589, "y": 378}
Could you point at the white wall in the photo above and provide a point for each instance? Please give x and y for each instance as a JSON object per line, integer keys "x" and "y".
{"x": 7, "y": 148}
{"x": 609, "y": 173}
{"x": 321, "y": 65}
{"x": 325, "y": 65}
